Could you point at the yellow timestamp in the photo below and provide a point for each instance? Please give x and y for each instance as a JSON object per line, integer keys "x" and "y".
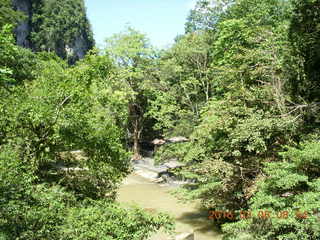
{"x": 262, "y": 214}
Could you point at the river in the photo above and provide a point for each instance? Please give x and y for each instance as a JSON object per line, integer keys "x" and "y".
{"x": 146, "y": 194}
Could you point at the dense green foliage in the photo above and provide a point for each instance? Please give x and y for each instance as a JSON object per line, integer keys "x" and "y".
{"x": 291, "y": 185}
{"x": 54, "y": 26}
{"x": 8, "y": 15}
{"x": 243, "y": 93}
{"x": 242, "y": 84}
{"x": 304, "y": 34}
{"x": 49, "y": 190}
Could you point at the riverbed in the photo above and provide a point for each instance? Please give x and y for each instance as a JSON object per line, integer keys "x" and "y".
{"x": 147, "y": 194}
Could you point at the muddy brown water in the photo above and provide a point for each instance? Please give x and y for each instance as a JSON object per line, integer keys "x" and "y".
{"x": 146, "y": 194}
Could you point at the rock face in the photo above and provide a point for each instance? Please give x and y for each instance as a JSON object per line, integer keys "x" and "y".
{"x": 71, "y": 41}
{"x": 80, "y": 47}
{"x": 24, "y": 29}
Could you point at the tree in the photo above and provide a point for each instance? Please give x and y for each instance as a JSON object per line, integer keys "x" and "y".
{"x": 47, "y": 189}
{"x": 304, "y": 35}
{"x": 184, "y": 84}
{"x": 206, "y": 15}
{"x": 133, "y": 54}
{"x": 288, "y": 188}
{"x": 289, "y": 191}
{"x": 246, "y": 119}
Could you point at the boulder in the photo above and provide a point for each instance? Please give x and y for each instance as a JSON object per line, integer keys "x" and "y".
{"x": 287, "y": 194}
{"x": 185, "y": 236}
{"x": 173, "y": 164}
{"x": 177, "y": 139}
{"x": 158, "y": 141}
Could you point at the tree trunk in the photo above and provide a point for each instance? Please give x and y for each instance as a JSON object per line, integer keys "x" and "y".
{"x": 136, "y": 138}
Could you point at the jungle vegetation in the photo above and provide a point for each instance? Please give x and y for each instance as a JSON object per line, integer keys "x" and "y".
{"x": 242, "y": 84}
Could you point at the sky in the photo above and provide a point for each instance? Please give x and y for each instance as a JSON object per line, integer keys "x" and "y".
{"x": 160, "y": 20}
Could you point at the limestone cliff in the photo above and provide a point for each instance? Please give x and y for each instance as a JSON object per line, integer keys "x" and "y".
{"x": 23, "y": 30}
{"x": 59, "y": 26}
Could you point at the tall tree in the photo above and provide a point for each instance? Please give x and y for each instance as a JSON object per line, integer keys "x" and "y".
{"x": 185, "y": 84}
{"x": 133, "y": 54}
{"x": 304, "y": 34}
{"x": 206, "y": 14}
